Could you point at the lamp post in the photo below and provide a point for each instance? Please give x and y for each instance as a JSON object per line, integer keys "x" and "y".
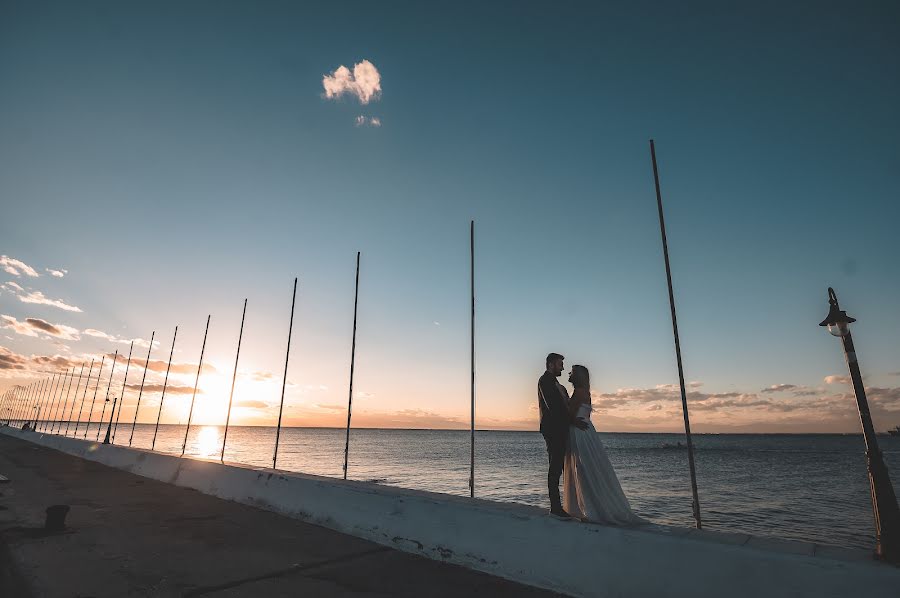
{"x": 111, "y": 414}
{"x": 884, "y": 502}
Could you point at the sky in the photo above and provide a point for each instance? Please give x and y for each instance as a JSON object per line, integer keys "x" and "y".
{"x": 161, "y": 162}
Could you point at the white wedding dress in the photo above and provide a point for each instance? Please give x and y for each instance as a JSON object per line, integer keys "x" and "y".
{"x": 591, "y": 490}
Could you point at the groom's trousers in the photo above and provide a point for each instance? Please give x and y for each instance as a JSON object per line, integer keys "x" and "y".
{"x": 556, "y": 451}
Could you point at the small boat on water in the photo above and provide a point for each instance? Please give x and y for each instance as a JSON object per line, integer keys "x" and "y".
{"x": 895, "y": 431}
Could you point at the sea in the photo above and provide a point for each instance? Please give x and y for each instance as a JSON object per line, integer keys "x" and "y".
{"x": 809, "y": 487}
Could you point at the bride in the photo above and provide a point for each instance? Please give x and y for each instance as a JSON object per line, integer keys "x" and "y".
{"x": 591, "y": 489}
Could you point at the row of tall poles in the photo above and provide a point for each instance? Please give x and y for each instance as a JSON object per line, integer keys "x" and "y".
{"x": 44, "y": 403}
{"x": 22, "y": 401}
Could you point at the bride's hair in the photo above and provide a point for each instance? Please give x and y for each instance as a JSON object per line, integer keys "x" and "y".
{"x": 581, "y": 378}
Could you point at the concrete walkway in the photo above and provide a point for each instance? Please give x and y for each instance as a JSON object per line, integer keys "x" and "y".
{"x": 132, "y": 536}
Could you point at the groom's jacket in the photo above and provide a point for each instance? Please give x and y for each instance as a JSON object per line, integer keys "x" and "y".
{"x": 554, "y": 412}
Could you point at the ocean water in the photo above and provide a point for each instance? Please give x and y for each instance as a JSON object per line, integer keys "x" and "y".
{"x": 803, "y": 487}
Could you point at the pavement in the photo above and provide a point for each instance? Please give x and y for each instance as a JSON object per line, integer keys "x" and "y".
{"x": 131, "y": 536}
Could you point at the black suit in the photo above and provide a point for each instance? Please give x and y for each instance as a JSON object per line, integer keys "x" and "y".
{"x": 555, "y": 429}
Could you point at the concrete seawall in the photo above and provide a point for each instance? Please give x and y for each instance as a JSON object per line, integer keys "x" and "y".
{"x": 514, "y": 541}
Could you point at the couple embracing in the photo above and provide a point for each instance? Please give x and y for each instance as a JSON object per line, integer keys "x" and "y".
{"x": 591, "y": 490}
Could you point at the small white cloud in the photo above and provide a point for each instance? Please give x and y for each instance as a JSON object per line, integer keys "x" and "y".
{"x": 17, "y": 267}
{"x": 837, "y": 380}
{"x": 38, "y": 298}
{"x": 57, "y": 273}
{"x": 116, "y": 339}
{"x": 364, "y": 82}
{"x": 365, "y": 121}
{"x": 436, "y": 323}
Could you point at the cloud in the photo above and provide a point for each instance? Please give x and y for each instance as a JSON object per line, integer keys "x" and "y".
{"x": 364, "y": 82}
{"x": 252, "y": 404}
{"x": 173, "y": 389}
{"x": 57, "y": 273}
{"x": 332, "y": 407}
{"x": 58, "y": 330}
{"x": 261, "y": 376}
{"x": 17, "y": 267}
{"x": 778, "y": 388}
{"x": 12, "y": 361}
{"x": 17, "y": 326}
{"x": 117, "y": 339}
{"x": 806, "y": 392}
{"x": 177, "y": 368}
{"x": 366, "y": 121}
{"x": 837, "y": 379}
{"x": 31, "y": 327}
{"x": 38, "y": 298}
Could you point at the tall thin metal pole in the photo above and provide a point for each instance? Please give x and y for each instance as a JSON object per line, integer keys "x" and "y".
{"x": 60, "y": 382}
{"x": 122, "y": 394}
{"x": 352, "y": 363}
{"x": 54, "y": 395}
{"x": 22, "y": 407}
{"x": 14, "y": 412}
{"x": 165, "y": 384}
{"x": 74, "y": 399}
{"x": 49, "y": 401}
{"x": 284, "y": 381}
{"x": 23, "y": 403}
{"x": 472, "y": 354}
{"x": 233, "y": 379}
{"x": 32, "y": 388}
{"x": 108, "y": 386}
{"x": 141, "y": 391}
{"x": 29, "y": 390}
{"x": 40, "y": 402}
{"x": 94, "y": 399}
{"x": 35, "y": 400}
{"x": 83, "y": 397}
{"x": 57, "y": 421}
{"x": 43, "y": 400}
{"x": 10, "y": 397}
{"x": 684, "y": 406}
{"x": 196, "y": 382}
{"x": 13, "y": 404}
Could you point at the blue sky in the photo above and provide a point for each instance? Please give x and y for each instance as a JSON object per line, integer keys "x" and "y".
{"x": 176, "y": 159}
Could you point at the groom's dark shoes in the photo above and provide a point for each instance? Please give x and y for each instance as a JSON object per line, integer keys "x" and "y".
{"x": 560, "y": 514}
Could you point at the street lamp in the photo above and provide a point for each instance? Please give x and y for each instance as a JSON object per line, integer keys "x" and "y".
{"x": 884, "y": 502}
{"x": 111, "y": 414}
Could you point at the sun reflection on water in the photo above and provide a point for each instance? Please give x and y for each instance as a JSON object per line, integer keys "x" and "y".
{"x": 209, "y": 443}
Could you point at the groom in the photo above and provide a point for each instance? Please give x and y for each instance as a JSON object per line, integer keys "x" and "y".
{"x": 553, "y": 401}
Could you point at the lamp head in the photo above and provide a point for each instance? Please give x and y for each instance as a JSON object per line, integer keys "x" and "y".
{"x": 837, "y": 321}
